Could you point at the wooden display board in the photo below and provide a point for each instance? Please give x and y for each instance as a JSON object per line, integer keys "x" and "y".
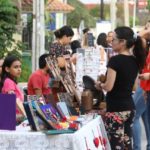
{"x": 67, "y": 78}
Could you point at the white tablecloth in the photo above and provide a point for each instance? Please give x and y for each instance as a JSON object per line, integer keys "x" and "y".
{"x": 23, "y": 140}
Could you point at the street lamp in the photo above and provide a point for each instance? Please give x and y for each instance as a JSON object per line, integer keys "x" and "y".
{"x": 101, "y": 10}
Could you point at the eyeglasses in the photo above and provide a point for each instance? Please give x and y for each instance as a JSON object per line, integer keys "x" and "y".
{"x": 116, "y": 39}
{"x": 109, "y": 36}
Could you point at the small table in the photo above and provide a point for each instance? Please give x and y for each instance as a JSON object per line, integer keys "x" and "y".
{"x": 80, "y": 140}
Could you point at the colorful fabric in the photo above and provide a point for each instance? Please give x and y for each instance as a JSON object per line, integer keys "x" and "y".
{"x": 118, "y": 126}
{"x": 57, "y": 49}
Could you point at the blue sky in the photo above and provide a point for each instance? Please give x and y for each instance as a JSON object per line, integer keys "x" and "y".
{"x": 92, "y": 1}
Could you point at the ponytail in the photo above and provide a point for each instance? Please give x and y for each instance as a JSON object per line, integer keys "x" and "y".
{"x": 135, "y": 41}
{"x": 139, "y": 52}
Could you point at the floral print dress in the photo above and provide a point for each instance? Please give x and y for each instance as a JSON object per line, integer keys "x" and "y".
{"x": 118, "y": 126}
{"x": 57, "y": 49}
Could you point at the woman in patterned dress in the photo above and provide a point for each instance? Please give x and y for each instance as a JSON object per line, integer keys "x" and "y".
{"x": 121, "y": 74}
{"x": 63, "y": 38}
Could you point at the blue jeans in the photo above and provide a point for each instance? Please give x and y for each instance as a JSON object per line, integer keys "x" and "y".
{"x": 141, "y": 111}
{"x": 148, "y": 114}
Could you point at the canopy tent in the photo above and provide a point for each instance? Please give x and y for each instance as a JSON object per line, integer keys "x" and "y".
{"x": 52, "y": 6}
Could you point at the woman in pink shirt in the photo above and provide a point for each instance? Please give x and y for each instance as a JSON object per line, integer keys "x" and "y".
{"x": 11, "y": 70}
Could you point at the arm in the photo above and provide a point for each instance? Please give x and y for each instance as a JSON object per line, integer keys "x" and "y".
{"x": 109, "y": 83}
{"x": 20, "y": 107}
{"x": 9, "y": 87}
{"x": 145, "y": 34}
{"x": 135, "y": 84}
{"x": 144, "y": 76}
{"x": 19, "y": 104}
{"x": 110, "y": 80}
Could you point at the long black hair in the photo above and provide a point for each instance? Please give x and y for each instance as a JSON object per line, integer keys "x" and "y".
{"x": 74, "y": 45}
{"x": 101, "y": 40}
{"x": 133, "y": 39}
{"x": 8, "y": 61}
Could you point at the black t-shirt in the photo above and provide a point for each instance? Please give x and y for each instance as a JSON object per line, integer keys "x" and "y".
{"x": 120, "y": 97}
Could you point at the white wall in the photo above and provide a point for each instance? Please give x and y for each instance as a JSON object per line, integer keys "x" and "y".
{"x": 104, "y": 26}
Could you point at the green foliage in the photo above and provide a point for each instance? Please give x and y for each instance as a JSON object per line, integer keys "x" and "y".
{"x": 95, "y": 12}
{"x": 8, "y": 20}
{"x": 148, "y": 7}
{"x": 26, "y": 71}
{"x": 80, "y": 13}
{"x": 131, "y": 21}
{"x": 30, "y": 21}
{"x": 49, "y": 38}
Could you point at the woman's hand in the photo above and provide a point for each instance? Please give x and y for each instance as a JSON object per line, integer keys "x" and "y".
{"x": 145, "y": 33}
{"x": 98, "y": 85}
{"x": 144, "y": 76}
{"x": 20, "y": 107}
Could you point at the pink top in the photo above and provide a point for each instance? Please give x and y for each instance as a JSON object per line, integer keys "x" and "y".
{"x": 10, "y": 85}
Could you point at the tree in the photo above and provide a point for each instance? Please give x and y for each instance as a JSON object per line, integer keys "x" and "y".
{"x": 95, "y": 12}
{"x": 80, "y": 13}
{"x": 148, "y": 5}
{"x": 8, "y": 19}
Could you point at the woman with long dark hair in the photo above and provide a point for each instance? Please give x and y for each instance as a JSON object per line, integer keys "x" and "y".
{"x": 63, "y": 38}
{"x": 121, "y": 74}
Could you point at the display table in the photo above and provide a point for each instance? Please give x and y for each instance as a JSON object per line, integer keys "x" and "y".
{"x": 80, "y": 140}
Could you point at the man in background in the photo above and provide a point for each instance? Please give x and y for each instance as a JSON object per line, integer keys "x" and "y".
{"x": 38, "y": 83}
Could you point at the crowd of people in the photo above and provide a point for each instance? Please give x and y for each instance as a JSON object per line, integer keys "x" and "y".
{"x": 125, "y": 55}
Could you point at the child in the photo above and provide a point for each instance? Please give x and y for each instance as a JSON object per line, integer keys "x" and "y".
{"x": 11, "y": 70}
